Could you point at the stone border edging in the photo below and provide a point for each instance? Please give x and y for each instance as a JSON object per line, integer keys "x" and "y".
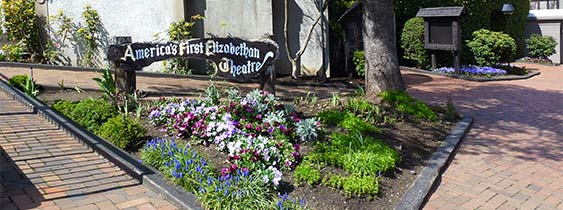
{"x": 146, "y": 175}
{"x": 426, "y": 182}
{"x": 531, "y": 74}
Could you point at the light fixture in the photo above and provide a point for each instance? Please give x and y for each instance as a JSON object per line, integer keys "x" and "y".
{"x": 507, "y": 9}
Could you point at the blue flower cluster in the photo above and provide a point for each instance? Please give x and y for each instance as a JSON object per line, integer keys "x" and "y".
{"x": 186, "y": 168}
{"x": 473, "y": 70}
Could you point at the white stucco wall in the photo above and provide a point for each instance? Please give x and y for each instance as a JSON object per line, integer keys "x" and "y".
{"x": 139, "y": 19}
{"x": 302, "y": 14}
{"x": 249, "y": 19}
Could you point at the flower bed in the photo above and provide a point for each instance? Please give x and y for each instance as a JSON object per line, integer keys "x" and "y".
{"x": 258, "y": 133}
{"x": 472, "y": 70}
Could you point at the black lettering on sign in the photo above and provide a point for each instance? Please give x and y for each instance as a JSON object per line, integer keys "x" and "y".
{"x": 235, "y": 58}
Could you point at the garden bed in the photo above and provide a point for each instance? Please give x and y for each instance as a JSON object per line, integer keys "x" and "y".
{"x": 478, "y": 78}
{"x": 414, "y": 139}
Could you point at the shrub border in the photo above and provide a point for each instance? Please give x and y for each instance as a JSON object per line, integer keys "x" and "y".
{"x": 430, "y": 177}
{"x": 146, "y": 175}
{"x": 532, "y": 73}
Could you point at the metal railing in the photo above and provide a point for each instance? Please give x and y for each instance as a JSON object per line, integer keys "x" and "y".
{"x": 545, "y": 4}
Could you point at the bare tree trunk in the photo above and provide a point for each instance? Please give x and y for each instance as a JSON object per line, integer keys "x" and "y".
{"x": 382, "y": 65}
{"x": 295, "y": 60}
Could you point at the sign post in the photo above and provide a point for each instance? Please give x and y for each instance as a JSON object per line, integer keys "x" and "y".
{"x": 235, "y": 58}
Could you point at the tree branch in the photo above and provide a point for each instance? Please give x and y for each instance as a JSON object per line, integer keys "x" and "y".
{"x": 311, "y": 30}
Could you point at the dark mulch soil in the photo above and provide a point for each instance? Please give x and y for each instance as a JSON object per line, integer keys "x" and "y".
{"x": 415, "y": 141}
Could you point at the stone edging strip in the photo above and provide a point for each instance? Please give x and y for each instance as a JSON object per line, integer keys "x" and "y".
{"x": 530, "y": 74}
{"x": 430, "y": 176}
{"x": 146, "y": 175}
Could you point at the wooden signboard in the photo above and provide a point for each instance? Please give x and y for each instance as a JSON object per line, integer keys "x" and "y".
{"x": 442, "y": 31}
{"x": 235, "y": 58}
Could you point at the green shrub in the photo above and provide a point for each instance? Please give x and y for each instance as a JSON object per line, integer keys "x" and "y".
{"x": 307, "y": 173}
{"x": 21, "y": 24}
{"x": 90, "y": 113}
{"x": 354, "y": 185}
{"x": 540, "y": 46}
{"x": 490, "y": 47}
{"x": 360, "y": 62}
{"x": 406, "y": 104}
{"x": 356, "y": 154}
{"x": 412, "y": 42}
{"x": 370, "y": 112}
{"x": 332, "y": 117}
{"x": 177, "y": 31}
{"x": 123, "y": 132}
{"x": 355, "y": 124}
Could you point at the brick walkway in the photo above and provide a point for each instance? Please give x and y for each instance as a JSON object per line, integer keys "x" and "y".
{"x": 58, "y": 171}
{"x": 513, "y": 156}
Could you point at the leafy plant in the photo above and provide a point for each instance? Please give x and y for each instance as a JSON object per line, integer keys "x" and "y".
{"x": 335, "y": 99}
{"x": 30, "y": 87}
{"x": 307, "y": 173}
{"x": 307, "y": 129}
{"x": 354, "y": 185}
{"x": 107, "y": 84}
{"x": 123, "y": 132}
{"x": 332, "y": 117}
{"x": 14, "y": 52}
{"x": 490, "y": 47}
{"x": 406, "y": 104}
{"x": 89, "y": 34}
{"x": 359, "y": 60}
{"x": 541, "y": 46}
{"x": 369, "y": 112}
{"x": 90, "y": 113}
{"x": 21, "y": 25}
{"x": 412, "y": 42}
{"x": 61, "y": 84}
{"x": 18, "y": 81}
{"x": 177, "y": 31}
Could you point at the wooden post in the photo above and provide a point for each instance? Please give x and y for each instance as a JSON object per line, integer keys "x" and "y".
{"x": 457, "y": 56}
{"x": 433, "y": 60}
{"x": 125, "y": 76}
{"x": 268, "y": 80}
{"x": 125, "y": 79}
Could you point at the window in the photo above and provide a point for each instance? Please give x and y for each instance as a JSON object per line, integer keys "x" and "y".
{"x": 544, "y": 4}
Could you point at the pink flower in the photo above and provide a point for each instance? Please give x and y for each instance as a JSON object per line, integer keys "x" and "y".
{"x": 259, "y": 117}
{"x": 248, "y": 126}
{"x": 258, "y": 128}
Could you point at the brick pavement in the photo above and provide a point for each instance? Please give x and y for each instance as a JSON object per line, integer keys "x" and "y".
{"x": 513, "y": 156}
{"x": 51, "y": 170}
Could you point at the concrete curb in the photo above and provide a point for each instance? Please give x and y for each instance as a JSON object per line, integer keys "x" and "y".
{"x": 430, "y": 176}
{"x": 147, "y": 176}
{"x": 506, "y": 78}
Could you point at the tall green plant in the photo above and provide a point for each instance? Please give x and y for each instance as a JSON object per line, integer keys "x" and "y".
{"x": 90, "y": 34}
{"x": 21, "y": 23}
{"x": 30, "y": 88}
{"x": 490, "y": 47}
{"x": 177, "y": 31}
{"x": 107, "y": 84}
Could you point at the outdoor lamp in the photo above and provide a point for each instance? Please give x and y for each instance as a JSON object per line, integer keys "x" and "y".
{"x": 507, "y": 9}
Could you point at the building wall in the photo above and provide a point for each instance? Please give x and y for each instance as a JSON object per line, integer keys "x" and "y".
{"x": 136, "y": 18}
{"x": 550, "y": 23}
{"x": 316, "y": 59}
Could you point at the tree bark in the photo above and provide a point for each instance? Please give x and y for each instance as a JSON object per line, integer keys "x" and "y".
{"x": 382, "y": 65}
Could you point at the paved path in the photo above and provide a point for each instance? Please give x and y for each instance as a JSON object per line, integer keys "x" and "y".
{"x": 513, "y": 156}
{"x": 58, "y": 171}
